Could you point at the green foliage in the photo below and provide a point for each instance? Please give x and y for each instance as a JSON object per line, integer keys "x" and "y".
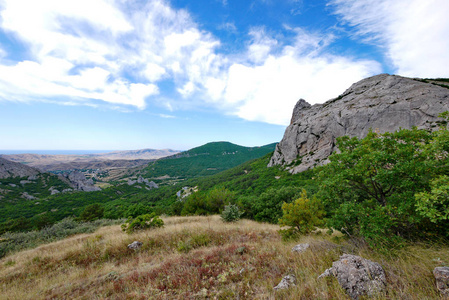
{"x": 205, "y": 203}
{"x": 369, "y": 188}
{"x": 435, "y": 204}
{"x": 195, "y": 241}
{"x": 302, "y": 216}
{"x": 231, "y": 213}
{"x": 268, "y": 206}
{"x": 142, "y": 222}
{"x": 217, "y": 197}
{"x": 205, "y": 160}
{"x": 92, "y": 212}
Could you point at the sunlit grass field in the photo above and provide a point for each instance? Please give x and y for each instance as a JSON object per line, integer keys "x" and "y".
{"x": 204, "y": 258}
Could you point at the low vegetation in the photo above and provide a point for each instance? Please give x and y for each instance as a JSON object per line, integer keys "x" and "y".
{"x": 204, "y": 258}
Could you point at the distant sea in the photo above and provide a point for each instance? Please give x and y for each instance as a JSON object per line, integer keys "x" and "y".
{"x": 54, "y": 152}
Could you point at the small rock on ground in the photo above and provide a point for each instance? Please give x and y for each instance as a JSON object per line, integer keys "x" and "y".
{"x": 135, "y": 245}
{"x": 300, "y": 248}
{"x": 286, "y": 282}
{"x": 442, "y": 278}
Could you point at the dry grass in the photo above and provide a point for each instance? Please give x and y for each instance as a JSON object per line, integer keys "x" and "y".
{"x": 203, "y": 258}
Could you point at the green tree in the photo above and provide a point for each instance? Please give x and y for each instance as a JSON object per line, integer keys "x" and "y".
{"x": 92, "y": 212}
{"x": 231, "y": 213}
{"x": 268, "y": 206}
{"x": 217, "y": 198}
{"x": 302, "y": 216}
{"x": 369, "y": 187}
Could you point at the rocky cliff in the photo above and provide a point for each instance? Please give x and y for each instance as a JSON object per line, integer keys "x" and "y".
{"x": 382, "y": 103}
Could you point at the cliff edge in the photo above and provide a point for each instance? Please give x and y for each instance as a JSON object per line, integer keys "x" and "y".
{"x": 384, "y": 103}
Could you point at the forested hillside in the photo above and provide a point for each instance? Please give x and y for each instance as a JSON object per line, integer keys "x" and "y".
{"x": 205, "y": 160}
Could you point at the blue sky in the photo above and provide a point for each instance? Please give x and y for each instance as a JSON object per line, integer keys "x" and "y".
{"x": 123, "y": 74}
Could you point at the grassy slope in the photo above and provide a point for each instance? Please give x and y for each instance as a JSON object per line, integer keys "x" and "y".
{"x": 205, "y": 160}
{"x": 199, "y": 257}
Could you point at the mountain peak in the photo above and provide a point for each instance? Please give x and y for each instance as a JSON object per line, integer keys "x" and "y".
{"x": 383, "y": 102}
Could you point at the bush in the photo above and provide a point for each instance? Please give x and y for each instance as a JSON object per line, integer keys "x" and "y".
{"x": 92, "y": 212}
{"x": 141, "y": 222}
{"x": 302, "y": 215}
{"x": 435, "y": 204}
{"x": 231, "y": 213}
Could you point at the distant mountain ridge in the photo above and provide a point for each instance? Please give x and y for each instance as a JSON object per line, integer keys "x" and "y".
{"x": 115, "y": 159}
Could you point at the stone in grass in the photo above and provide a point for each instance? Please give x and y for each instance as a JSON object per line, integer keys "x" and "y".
{"x": 135, "y": 245}
{"x": 358, "y": 276}
{"x": 442, "y": 278}
{"x": 300, "y": 248}
{"x": 286, "y": 282}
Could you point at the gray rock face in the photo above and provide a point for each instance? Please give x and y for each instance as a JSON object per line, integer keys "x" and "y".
{"x": 442, "y": 278}
{"x": 14, "y": 169}
{"x": 149, "y": 184}
{"x": 81, "y": 183}
{"x": 384, "y": 103}
{"x": 286, "y": 282}
{"x": 28, "y": 196}
{"x": 300, "y": 108}
{"x": 358, "y": 276}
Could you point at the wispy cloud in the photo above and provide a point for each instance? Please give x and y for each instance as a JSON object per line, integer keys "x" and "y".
{"x": 414, "y": 33}
{"x": 167, "y": 116}
{"x": 124, "y": 56}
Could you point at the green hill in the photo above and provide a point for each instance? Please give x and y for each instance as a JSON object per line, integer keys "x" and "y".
{"x": 205, "y": 160}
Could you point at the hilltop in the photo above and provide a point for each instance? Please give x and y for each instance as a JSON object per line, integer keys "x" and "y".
{"x": 201, "y": 161}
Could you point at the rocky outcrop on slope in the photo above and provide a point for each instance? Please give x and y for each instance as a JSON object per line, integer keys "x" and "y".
{"x": 79, "y": 182}
{"x": 15, "y": 169}
{"x": 358, "y": 276}
{"x": 383, "y": 103}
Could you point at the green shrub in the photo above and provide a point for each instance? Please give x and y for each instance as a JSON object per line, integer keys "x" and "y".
{"x": 302, "y": 216}
{"x": 231, "y": 213}
{"x": 141, "y": 222}
{"x": 92, "y": 212}
{"x": 435, "y": 204}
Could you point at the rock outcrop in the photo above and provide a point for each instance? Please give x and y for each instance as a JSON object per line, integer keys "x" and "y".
{"x": 384, "y": 103}
{"x": 79, "y": 182}
{"x": 286, "y": 282}
{"x": 358, "y": 276}
{"x": 15, "y": 169}
{"x": 442, "y": 278}
{"x": 140, "y": 180}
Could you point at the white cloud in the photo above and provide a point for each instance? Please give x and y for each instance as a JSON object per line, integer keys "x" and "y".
{"x": 266, "y": 84}
{"x": 124, "y": 55}
{"x": 414, "y": 33}
{"x": 117, "y": 56}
